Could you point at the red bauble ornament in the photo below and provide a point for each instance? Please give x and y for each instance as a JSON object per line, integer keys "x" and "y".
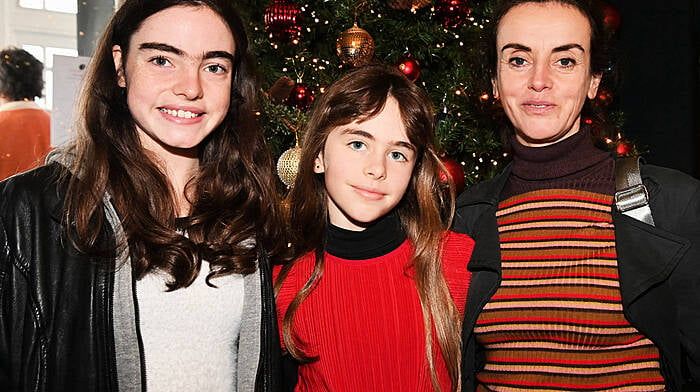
{"x": 451, "y": 13}
{"x": 301, "y": 97}
{"x": 455, "y": 171}
{"x": 604, "y": 97}
{"x": 624, "y": 148}
{"x": 281, "y": 20}
{"x": 409, "y": 67}
{"x": 611, "y": 17}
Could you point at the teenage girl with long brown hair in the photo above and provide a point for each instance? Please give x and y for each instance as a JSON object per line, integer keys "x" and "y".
{"x": 137, "y": 257}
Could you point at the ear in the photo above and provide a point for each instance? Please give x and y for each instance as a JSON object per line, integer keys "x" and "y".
{"x": 319, "y": 167}
{"x": 593, "y": 87}
{"x": 118, "y": 65}
{"x": 494, "y": 86}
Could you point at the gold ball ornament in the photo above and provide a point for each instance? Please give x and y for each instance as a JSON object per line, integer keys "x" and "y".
{"x": 288, "y": 165}
{"x": 355, "y": 46}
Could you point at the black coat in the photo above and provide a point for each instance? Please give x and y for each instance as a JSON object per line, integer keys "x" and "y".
{"x": 58, "y": 308}
{"x": 659, "y": 270}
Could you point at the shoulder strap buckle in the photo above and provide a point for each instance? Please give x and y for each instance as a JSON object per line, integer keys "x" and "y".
{"x": 631, "y": 196}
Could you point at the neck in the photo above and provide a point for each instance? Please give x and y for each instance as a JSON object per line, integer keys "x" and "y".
{"x": 179, "y": 165}
{"x": 180, "y": 172}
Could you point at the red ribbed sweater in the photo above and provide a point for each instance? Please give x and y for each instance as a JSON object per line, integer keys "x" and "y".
{"x": 364, "y": 320}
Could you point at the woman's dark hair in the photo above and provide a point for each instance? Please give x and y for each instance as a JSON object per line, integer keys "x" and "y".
{"x": 425, "y": 211}
{"x": 603, "y": 56}
{"x": 21, "y": 75}
{"x": 234, "y": 210}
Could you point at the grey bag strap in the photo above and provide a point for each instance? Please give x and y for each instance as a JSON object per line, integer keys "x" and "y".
{"x": 631, "y": 196}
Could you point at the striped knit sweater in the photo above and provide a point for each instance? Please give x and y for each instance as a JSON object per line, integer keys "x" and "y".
{"x": 556, "y": 321}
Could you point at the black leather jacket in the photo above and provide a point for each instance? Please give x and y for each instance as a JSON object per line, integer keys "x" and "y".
{"x": 60, "y": 310}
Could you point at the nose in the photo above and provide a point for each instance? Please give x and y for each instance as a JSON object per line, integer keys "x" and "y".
{"x": 375, "y": 166}
{"x": 188, "y": 84}
{"x": 540, "y": 78}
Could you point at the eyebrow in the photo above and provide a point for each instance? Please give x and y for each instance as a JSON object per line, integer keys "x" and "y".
{"x": 171, "y": 49}
{"x": 359, "y": 132}
{"x": 561, "y": 48}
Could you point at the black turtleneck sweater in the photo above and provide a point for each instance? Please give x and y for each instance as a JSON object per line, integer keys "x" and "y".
{"x": 573, "y": 163}
{"x": 380, "y": 238}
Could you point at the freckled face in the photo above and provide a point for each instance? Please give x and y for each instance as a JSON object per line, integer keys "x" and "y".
{"x": 367, "y": 167}
{"x": 543, "y": 73}
{"x": 177, "y": 74}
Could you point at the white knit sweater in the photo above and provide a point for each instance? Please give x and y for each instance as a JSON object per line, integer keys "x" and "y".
{"x": 190, "y": 335}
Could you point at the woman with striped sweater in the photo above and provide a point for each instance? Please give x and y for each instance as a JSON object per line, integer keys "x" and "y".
{"x": 567, "y": 293}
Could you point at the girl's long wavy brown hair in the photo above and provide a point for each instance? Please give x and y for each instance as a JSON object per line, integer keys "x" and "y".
{"x": 425, "y": 210}
{"x": 234, "y": 210}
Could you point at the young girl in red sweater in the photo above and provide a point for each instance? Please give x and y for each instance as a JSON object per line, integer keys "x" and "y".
{"x": 374, "y": 297}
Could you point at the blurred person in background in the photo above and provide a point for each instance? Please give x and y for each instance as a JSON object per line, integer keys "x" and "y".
{"x": 24, "y": 126}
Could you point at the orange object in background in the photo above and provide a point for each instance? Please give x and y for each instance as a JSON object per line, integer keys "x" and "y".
{"x": 24, "y": 137}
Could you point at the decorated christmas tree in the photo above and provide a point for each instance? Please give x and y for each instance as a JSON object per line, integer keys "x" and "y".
{"x": 303, "y": 46}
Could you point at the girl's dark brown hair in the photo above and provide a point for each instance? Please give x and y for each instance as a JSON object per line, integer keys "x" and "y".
{"x": 424, "y": 211}
{"x": 234, "y": 206}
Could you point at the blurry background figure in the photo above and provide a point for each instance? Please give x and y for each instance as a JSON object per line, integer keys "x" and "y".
{"x": 24, "y": 126}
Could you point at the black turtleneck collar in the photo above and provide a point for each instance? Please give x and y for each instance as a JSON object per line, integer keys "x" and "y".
{"x": 563, "y": 158}
{"x": 381, "y": 237}
{"x": 572, "y": 163}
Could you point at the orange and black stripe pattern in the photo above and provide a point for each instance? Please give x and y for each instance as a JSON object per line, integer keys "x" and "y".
{"x": 556, "y": 321}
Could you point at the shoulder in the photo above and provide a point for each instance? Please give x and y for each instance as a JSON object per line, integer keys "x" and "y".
{"x": 668, "y": 179}
{"x": 672, "y": 193}
{"x": 299, "y": 272}
{"x": 486, "y": 191}
{"x": 41, "y": 188}
{"x": 457, "y": 251}
{"x": 477, "y": 200}
{"x": 457, "y": 245}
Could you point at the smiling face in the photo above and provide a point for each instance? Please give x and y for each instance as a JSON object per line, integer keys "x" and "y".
{"x": 177, "y": 75}
{"x": 367, "y": 167}
{"x": 543, "y": 72}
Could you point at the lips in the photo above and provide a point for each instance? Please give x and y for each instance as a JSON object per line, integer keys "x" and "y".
{"x": 538, "y": 107}
{"x": 181, "y": 112}
{"x": 368, "y": 193}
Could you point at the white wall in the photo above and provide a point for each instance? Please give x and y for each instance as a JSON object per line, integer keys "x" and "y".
{"x": 22, "y": 26}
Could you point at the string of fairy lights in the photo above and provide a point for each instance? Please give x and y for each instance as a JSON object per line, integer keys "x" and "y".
{"x": 302, "y": 48}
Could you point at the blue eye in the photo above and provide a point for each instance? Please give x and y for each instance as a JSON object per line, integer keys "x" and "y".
{"x": 517, "y": 61}
{"x": 357, "y": 145}
{"x": 397, "y": 156}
